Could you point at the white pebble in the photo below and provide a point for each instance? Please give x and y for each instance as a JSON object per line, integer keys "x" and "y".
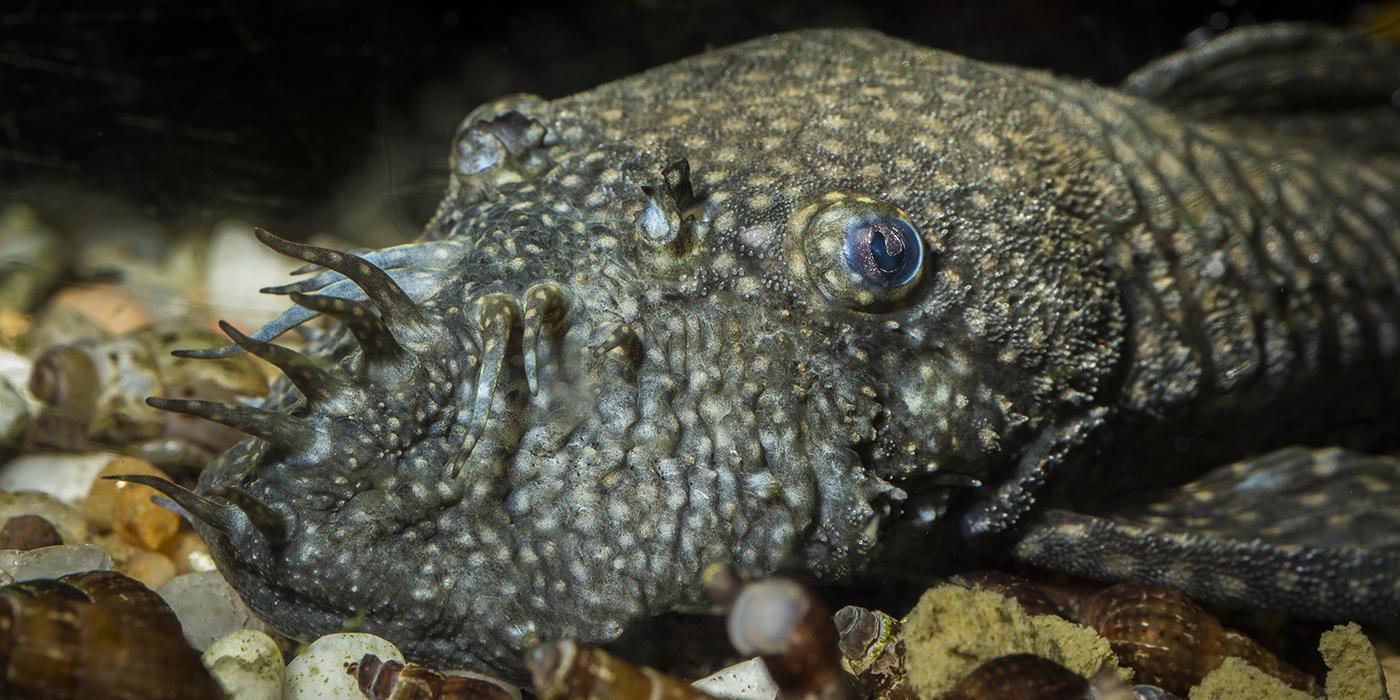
{"x": 248, "y": 664}
{"x": 14, "y": 413}
{"x": 207, "y": 606}
{"x": 66, "y": 477}
{"x": 15, "y": 369}
{"x": 321, "y": 672}
{"x": 238, "y": 266}
{"x": 53, "y": 562}
{"x": 746, "y": 680}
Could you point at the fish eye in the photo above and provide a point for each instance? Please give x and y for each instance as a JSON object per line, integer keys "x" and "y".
{"x": 861, "y": 251}
{"x": 884, "y": 250}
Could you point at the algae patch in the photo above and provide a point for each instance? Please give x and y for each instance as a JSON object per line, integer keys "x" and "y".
{"x": 953, "y": 630}
{"x": 1235, "y": 679}
{"x": 1353, "y": 671}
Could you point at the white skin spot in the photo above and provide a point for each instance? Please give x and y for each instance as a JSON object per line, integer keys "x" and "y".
{"x": 1179, "y": 575}
{"x": 1231, "y": 585}
{"x": 1325, "y": 468}
{"x": 1313, "y": 500}
{"x": 1119, "y": 565}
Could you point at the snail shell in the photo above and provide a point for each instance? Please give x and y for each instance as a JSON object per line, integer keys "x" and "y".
{"x": 1032, "y": 598}
{"x": 1020, "y": 676}
{"x": 568, "y": 670}
{"x": 873, "y": 653}
{"x": 95, "y": 635}
{"x": 395, "y": 680}
{"x": 790, "y": 629}
{"x": 1170, "y": 641}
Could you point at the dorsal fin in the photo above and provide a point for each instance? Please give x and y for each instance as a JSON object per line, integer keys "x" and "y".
{"x": 1274, "y": 68}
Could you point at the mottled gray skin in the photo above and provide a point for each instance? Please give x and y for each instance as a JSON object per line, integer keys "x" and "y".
{"x": 1113, "y": 297}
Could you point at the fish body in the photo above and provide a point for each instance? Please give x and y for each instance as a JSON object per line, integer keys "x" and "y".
{"x": 822, "y": 302}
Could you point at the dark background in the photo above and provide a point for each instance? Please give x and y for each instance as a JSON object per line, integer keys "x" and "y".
{"x": 302, "y": 111}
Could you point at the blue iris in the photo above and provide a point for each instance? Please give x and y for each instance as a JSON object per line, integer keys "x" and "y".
{"x": 885, "y": 251}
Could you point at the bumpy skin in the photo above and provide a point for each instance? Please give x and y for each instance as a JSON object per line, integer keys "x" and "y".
{"x": 1112, "y": 297}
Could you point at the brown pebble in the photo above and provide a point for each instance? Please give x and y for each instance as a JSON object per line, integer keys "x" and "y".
{"x": 13, "y": 324}
{"x": 150, "y": 568}
{"x": 136, "y": 519}
{"x": 114, "y": 309}
{"x": 28, "y": 532}
{"x": 181, "y": 546}
{"x": 126, "y": 509}
{"x": 99, "y": 505}
{"x": 117, "y": 548}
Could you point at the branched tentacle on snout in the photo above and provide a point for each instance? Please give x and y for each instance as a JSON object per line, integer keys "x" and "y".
{"x": 413, "y": 273}
{"x": 499, "y": 318}
{"x": 546, "y": 307}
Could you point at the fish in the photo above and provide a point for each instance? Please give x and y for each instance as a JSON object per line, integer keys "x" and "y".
{"x": 832, "y": 304}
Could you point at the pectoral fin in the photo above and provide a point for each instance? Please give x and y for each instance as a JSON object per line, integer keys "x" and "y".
{"x": 1315, "y": 533}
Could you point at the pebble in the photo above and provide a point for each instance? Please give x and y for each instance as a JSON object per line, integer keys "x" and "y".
{"x": 65, "y": 518}
{"x": 26, "y": 532}
{"x": 207, "y": 606}
{"x": 13, "y": 325}
{"x": 53, "y": 562}
{"x": 114, "y": 309}
{"x": 15, "y": 369}
{"x": 31, "y": 257}
{"x": 1390, "y": 665}
{"x": 201, "y": 560}
{"x": 188, "y": 551}
{"x": 238, "y": 265}
{"x": 150, "y": 568}
{"x": 117, "y": 548}
{"x": 57, "y": 325}
{"x": 126, "y": 509}
{"x": 138, "y": 520}
{"x": 64, "y": 476}
{"x": 230, "y": 378}
{"x": 248, "y": 664}
{"x": 746, "y": 680}
{"x": 14, "y": 413}
{"x": 320, "y": 672}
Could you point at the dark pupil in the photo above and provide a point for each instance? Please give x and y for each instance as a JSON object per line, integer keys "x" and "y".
{"x": 887, "y": 248}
